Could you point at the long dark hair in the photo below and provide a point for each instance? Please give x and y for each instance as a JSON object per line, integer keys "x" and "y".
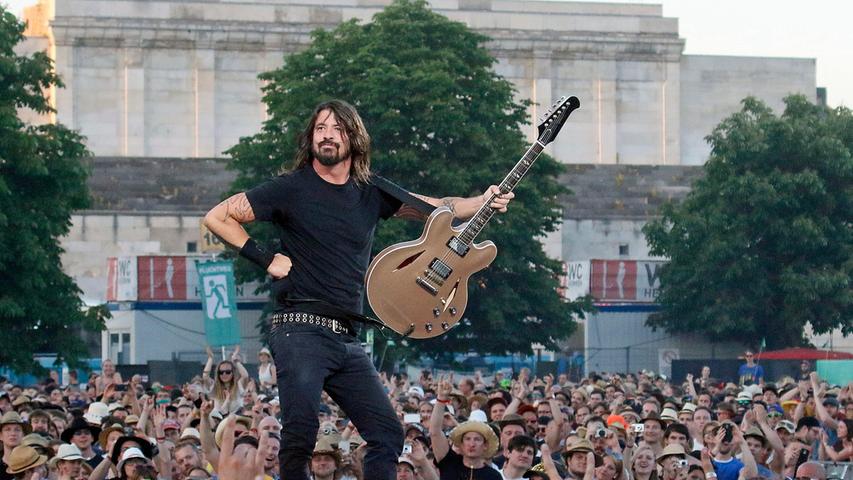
{"x": 355, "y": 131}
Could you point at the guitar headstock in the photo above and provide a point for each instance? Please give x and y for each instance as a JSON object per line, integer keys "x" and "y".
{"x": 552, "y": 121}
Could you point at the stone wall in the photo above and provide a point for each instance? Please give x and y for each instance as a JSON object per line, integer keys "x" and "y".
{"x": 179, "y": 78}
{"x": 155, "y": 206}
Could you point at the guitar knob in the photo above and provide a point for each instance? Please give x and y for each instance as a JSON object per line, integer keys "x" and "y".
{"x": 453, "y": 311}
{"x": 445, "y": 326}
{"x": 436, "y": 312}
{"x": 428, "y": 327}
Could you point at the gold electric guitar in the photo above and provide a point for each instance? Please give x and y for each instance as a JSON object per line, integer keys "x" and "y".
{"x": 419, "y": 288}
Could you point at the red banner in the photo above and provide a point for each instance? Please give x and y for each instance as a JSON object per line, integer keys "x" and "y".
{"x": 162, "y": 278}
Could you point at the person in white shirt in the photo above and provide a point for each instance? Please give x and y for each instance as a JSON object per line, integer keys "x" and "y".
{"x": 522, "y": 451}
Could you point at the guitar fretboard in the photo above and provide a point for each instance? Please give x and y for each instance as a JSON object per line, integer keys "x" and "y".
{"x": 484, "y": 214}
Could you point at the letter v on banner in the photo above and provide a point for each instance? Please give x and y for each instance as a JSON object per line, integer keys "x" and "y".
{"x": 219, "y": 302}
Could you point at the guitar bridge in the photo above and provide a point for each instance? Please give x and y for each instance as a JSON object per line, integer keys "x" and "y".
{"x": 427, "y": 286}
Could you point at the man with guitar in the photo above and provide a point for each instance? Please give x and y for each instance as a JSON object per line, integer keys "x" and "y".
{"x": 326, "y": 211}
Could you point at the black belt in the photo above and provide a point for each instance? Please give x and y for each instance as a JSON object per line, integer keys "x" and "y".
{"x": 336, "y": 326}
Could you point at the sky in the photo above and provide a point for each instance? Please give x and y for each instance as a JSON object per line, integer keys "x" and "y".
{"x": 817, "y": 29}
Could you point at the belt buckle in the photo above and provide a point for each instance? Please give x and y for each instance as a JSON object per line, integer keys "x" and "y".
{"x": 337, "y": 327}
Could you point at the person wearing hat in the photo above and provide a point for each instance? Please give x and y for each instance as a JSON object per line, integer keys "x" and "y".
{"x": 785, "y": 429}
{"x": 67, "y": 462}
{"x": 653, "y": 428}
{"x": 266, "y": 369}
{"x": 576, "y": 457}
{"x": 673, "y": 461}
{"x": 134, "y": 465}
{"x": 496, "y": 408}
{"x": 171, "y": 430}
{"x": 325, "y": 459}
{"x": 536, "y": 472}
{"x": 521, "y": 452}
{"x": 759, "y": 446}
{"x": 25, "y": 463}
{"x": 83, "y": 435}
{"x": 405, "y": 468}
{"x": 476, "y": 441}
{"x": 12, "y": 431}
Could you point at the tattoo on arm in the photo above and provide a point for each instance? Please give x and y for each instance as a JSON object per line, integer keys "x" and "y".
{"x": 238, "y": 207}
{"x": 449, "y": 203}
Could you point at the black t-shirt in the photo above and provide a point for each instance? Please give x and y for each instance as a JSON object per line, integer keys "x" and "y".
{"x": 451, "y": 468}
{"x": 326, "y": 230}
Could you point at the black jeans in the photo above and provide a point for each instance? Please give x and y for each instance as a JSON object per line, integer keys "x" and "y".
{"x": 310, "y": 359}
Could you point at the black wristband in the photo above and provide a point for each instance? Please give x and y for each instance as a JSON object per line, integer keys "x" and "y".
{"x": 256, "y": 254}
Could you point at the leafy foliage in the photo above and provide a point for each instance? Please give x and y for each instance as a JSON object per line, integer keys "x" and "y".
{"x": 764, "y": 242}
{"x": 442, "y": 123}
{"x": 42, "y": 180}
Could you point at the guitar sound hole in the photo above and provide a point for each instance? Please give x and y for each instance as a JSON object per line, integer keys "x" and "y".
{"x": 408, "y": 261}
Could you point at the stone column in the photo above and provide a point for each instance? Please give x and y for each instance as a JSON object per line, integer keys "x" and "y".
{"x": 133, "y": 112}
{"x": 205, "y": 103}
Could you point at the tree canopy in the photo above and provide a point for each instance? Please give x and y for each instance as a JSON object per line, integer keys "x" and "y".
{"x": 42, "y": 180}
{"x": 763, "y": 244}
{"x": 442, "y": 122}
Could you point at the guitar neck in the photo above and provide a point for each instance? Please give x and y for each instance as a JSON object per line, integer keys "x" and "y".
{"x": 484, "y": 214}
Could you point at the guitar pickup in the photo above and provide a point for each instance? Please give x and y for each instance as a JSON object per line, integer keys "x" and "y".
{"x": 427, "y": 286}
{"x": 458, "y": 247}
{"x": 440, "y": 268}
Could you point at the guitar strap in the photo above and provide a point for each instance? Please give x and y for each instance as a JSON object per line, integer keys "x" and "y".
{"x": 396, "y": 191}
{"x": 401, "y": 194}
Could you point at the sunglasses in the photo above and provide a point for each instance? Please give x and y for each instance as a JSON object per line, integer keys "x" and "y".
{"x": 225, "y": 372}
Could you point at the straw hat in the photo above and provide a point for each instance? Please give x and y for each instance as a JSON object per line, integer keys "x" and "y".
{"x": 105, "y": 433}
{"x": 673, "y": 449}
{"x": 220, "y": 429}
{"x": 35, "y": 440}
{"x": 478, "y": 427}
{"x": 583, "y": 445}
{"x": 24, "y": 458}
{"x": 96, "y": 412}
{"x": 12, "y": 418}
{"x": 669, "y": 415}
{"x": 128, "y": 454}
{"x": 325, "y": 446}
{"x": 67, "y": 452}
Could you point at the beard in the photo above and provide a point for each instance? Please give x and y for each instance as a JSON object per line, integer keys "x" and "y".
{"x": 329, "y": 157}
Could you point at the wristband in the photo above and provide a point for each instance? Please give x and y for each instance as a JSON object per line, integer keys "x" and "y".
{"x": 710, "y": 475}
{"x": 257, "y": 254}
{"x": 442, "y": 401}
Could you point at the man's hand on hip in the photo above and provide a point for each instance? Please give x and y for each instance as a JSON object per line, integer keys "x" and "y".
{"x": 280, "y": 266}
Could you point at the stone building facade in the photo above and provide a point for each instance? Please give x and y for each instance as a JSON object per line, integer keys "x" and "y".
{"x": 155, "y": 78}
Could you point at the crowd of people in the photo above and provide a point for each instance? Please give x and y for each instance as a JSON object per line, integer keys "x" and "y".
{"x": 224, "y": 424}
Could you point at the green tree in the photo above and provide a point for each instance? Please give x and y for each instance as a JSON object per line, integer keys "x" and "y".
{"x": 762, "y": 244}
{"x": 442, "y": 123}
{"x": 42, "y": 180}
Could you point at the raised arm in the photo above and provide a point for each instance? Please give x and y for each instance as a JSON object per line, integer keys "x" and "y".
{"x": 462, "y": 208}
{"x": 440, "y": 445}
{"x": 823, "y": 415}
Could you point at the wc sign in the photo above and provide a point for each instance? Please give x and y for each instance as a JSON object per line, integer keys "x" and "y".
{"x": 574, "y": 283}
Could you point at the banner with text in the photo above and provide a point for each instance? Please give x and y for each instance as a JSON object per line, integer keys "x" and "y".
{"x": 219, "y": 302}
{"x": 169, "y": 278}
{"x": 624, "y": 280}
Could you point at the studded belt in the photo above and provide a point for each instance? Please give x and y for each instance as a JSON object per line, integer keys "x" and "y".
{"x": 335, "y": 326}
